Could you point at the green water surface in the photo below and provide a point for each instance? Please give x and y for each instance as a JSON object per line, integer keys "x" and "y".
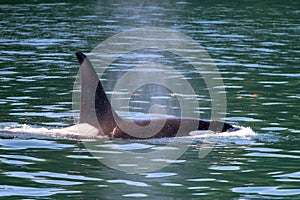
{"x": 255, "y": 46}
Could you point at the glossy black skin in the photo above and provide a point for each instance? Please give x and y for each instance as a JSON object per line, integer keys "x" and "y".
{"x": 110, "y": 122}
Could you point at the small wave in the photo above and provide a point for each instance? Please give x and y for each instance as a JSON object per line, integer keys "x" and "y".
{"x": 73, "y": 132}
{"x": 240, "y": 132}
{"x": 85, "y": 131}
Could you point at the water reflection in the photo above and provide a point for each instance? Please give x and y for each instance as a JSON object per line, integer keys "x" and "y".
{"x": 7, "y": 191}
{"x": 255, "y": 47}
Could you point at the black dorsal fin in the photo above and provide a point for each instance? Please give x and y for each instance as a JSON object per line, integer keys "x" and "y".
{"x": 89, "y": 81}
{"x": 95, "y": 108}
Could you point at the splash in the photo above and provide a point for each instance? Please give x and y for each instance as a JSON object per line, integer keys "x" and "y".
{"x": 85, "y": 131}
{"x": 72, "y": 132}
{"x": 240, "y": 133}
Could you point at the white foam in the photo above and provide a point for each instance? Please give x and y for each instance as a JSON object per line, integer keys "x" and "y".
{"x": 241, "y": 132}
{"x": 78, "y": 131}
{"x": 86, "y": 131}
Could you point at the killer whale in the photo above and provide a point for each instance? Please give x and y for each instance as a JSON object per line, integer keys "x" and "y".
{"x": 98, "y": 117}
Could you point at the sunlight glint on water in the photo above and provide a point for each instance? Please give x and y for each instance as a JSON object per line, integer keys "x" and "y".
{"x": 254, "y": 46}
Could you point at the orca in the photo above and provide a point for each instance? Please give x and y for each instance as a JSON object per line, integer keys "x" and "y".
{"x": 98, "y": 117}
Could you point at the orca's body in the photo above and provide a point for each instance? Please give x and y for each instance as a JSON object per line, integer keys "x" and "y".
{"x": 97, "y": 112}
